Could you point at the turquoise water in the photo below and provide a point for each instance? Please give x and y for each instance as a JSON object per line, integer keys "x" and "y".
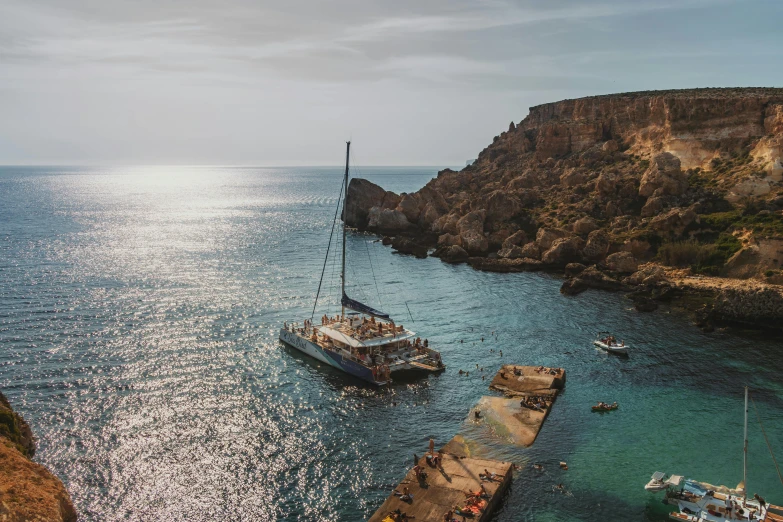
{"x": 139, "y": 311}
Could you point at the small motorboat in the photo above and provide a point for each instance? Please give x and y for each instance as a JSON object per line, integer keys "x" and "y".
{"x": 602, "y": 406}
{"x": 661, "y": 481}
{"x": 607, "y": 342}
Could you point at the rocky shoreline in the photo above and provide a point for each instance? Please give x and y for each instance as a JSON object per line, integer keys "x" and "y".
{"x": 670, "y": 196}
{"x": 28, "y": 491}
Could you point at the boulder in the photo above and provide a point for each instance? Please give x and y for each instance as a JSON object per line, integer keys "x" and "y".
{"x": 526, "y": 180}
{"x": 531, "y": 250}
{"x": 384, "y": 220}
{"x": 623, "y": 262}
{"x": 471, "y": 231}
{"x": 362, "y": 196}
{"x": 585, "y": 225}
{"x": 574, "y": 269}
{"x": 643, "y": 303}
{"x": 386, "y": 241}
{"x": 664, "y": 176}
{"x": 653, "y": 206}
{"x": 410, "y": 206}
{"x": 512, "y": 252}
{"x": 597, "y": 245}
{"x": 606, "y": 183}
{"x": 573, "y": 286}
{"x": 648, "y": 275}
{"x": 563, "y": 251}
{"x": 445, "y": 240}
{"x": 502, "y": 207}
{"x": 674, "y": 221}
{"x": 504, "y": 265}
{"x": 453, "y": 254}
{"x": 405, "y": 245}
{"x": 516, "y": 239}
{"x": 610, "y": 146}
{"x": 573, "y": 177}
{"x": 590, "y": 277}
{"x": 545, "y": 237}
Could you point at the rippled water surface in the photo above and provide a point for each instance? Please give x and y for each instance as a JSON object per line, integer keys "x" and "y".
{"x": 139, "y": 311}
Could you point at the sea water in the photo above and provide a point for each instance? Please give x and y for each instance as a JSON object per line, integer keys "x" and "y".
{"x": 139, "y": 314}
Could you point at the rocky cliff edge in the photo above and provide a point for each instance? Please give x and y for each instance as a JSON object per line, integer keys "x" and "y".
{"x": 28, "y": 491}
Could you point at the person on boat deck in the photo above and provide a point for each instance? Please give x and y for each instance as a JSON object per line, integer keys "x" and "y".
{"x": 761, "y": 501}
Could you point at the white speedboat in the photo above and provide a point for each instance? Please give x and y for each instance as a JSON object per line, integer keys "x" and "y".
{"x": 607, "y": 342}
{"x": 363, "y": 342}
{"x": 660, "y": 481}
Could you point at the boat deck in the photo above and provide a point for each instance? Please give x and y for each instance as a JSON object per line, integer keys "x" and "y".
{"x": 445, "y": 488}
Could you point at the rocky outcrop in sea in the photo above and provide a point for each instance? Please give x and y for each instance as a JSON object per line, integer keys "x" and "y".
{"x": 689, "y": 180}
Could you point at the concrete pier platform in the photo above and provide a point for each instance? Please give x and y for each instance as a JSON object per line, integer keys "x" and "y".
{"x": 445, "y": 488}
{"x": 516, "y": 380}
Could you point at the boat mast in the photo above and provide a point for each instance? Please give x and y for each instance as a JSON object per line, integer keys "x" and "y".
{"x": 345, "y": 198}
{"x": 745, "y": 451}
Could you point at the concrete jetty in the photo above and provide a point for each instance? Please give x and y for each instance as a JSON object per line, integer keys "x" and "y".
{"x": 445, "y": 488}
{"x": 515, "y": 380}
{"x": 540, "y": 384}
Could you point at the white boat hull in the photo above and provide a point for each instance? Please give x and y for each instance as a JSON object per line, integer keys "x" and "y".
{"x": 611, "y": 348}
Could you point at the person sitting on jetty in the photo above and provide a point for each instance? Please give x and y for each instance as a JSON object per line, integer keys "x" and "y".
{"x": 491, "y": 475}
{"x": 449, "y": 516}
{"x": 421, "y": 475}
{"x": 405, "y": 496}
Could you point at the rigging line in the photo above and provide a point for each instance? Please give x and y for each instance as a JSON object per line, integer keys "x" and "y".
{"x": 372, "y": 270}
{"x": 374, "y": 253}
{"x": 334, "y": 221}
{"x": 409, "y": 311}
{"x": 331, "y": 281}
{"x": 769, "y": 447}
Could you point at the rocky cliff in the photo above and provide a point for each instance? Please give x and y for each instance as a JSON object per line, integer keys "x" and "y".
{"x": 688, "y": 179}
{"x": 28, "y": 491}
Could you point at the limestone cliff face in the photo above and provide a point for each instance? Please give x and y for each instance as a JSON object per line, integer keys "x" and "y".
{"x": 635, "y": 171}
{"x": 28, "y": 491}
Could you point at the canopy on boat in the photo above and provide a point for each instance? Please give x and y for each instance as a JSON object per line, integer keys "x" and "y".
{"x": 674, "y": 480}
{"x": 363, "y": 308}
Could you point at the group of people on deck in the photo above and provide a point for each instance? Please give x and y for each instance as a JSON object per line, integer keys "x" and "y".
{"x": 612, "y": 341}
{"x": 325, "y": 319}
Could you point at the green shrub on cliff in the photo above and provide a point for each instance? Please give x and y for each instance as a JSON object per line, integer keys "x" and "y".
{"x": 702, "y": 258}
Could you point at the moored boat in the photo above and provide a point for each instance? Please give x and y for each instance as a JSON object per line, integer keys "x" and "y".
{"x": 361, "y": 341}
{"x": 607, "y": 342}
{"x": 700, "y": 501}
{"x": 602, "y": 406}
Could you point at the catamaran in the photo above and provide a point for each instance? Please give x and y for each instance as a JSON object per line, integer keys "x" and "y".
{"x": 700, "y": 501}
{"x": 363, "y": 342}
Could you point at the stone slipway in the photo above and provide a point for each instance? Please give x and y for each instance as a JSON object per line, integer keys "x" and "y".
{"x": 446, "y": 486}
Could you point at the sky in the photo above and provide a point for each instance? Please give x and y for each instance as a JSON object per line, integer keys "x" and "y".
{"x": 424, "y": 82}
